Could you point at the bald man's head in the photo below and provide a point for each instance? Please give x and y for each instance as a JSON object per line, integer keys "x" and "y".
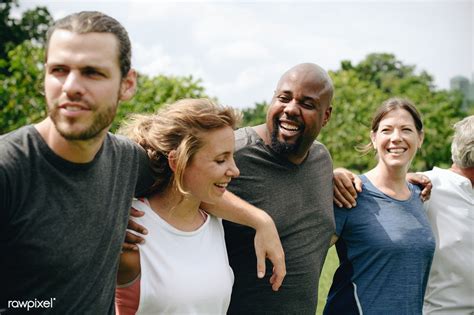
{"x": 311, "y": 72}
{"x": 300, "y": 107}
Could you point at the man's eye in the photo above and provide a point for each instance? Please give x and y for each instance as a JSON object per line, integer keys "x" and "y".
{"x": 283, "y": 99}
{"x": 92, "y": 72}
{"x": 57, "y": 70}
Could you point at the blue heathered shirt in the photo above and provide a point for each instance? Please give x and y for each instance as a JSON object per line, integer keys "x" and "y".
{"x": 385, "y": 249}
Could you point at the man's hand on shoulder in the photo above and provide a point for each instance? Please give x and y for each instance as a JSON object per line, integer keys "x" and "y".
{"x": 134, "y": 238}
{"x": 346, "y": 187}
{"x": 423, "y": 181}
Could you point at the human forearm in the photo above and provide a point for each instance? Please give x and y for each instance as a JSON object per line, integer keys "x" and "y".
{"x": 234, "y": 209}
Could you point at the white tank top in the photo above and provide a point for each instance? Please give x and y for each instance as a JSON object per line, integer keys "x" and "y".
{"x": 183, "y": 272}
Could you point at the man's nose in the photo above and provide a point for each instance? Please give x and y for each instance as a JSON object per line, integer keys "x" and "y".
{"x": 291, "y": 108}
{"x": 73, "y": 86}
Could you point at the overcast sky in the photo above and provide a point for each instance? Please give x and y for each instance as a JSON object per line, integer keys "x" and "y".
{"x": 240, "y": 49}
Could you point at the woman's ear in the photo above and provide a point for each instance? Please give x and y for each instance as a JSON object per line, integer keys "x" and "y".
{"x": 372, "y": 139}
{"x": 421, "y": 138}
{"x": 172, "y": 160}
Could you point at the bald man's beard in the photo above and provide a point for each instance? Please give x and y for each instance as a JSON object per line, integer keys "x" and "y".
{"x": 282, "y": 147}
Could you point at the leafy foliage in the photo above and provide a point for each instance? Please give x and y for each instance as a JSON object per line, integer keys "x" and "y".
{"x": 21, "y": 63}
{"x": 33, "y": 25}
{"x": 255, "y": 115}
{"x": 153, "y": 92}
{"x": 21, "y": 99}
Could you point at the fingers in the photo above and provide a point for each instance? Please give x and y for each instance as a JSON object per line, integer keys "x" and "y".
{"x": 279, "y": 268}
{"x": 272, "y": 281}
{"x": 426, "y": 192}
{"x": 128, "y": 246}
{"x": 343, "y": 197}
{"x": 261, "y": 268}
{"x": 133, "y": 239}
{"x": 346, "y": 186}
{"x": 267, "y": 245}
{"x": 421, "y": 180}
{"x": 357, "y": 184}
{"x": 279, "y": 273}
{"x": 134, "y": 226}
{"x": 136, "y": 213}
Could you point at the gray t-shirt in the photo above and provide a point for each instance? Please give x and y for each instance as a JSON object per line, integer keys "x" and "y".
{"x": 62, "y": 224}
{"x": 299, "y": 199}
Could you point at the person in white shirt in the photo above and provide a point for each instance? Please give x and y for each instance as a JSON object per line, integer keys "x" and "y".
{"x": 451, "y": 214}
{"x": 183, "y": 266}
{"x": 450, "y": 211}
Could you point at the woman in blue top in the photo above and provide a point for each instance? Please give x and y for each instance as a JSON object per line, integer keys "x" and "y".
{"x": 385, "y": 244}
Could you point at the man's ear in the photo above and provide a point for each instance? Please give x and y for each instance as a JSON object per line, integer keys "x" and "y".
{"x": 327, "y": 115}
{"x": 128, "y": 85}
{"x": 172, "y": 160}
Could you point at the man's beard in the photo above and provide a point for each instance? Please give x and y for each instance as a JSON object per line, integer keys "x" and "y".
{"x": 281, "y": 147}
{"x": 100, "y": 121}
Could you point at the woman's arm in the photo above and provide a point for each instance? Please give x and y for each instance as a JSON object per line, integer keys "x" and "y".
{"x": 129, "y": 266}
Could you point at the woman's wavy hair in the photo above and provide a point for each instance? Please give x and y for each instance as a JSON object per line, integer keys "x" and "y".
{"x": 179, "y": 126}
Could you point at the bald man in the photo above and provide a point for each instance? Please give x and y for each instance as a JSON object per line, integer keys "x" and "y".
{"x": 286, "y": 172}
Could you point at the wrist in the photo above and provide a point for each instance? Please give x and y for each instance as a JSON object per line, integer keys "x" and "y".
{"x": 262, "y": 220}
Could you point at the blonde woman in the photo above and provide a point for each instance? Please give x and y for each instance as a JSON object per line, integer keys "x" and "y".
{"x": 385, "y": 243}
{"x": 183, "y": 266}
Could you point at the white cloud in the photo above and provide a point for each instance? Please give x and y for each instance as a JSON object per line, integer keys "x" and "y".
{"x": 238, "y": 50}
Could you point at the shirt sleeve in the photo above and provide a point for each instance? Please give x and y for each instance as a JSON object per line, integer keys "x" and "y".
{"x": 145, "y": 174}
{"x": 340, "y": 216}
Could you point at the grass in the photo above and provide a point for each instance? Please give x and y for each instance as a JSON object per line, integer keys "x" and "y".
{"x": 330, "y": 265}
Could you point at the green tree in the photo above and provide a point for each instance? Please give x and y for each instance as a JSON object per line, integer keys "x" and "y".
{"x": 33, "y": 26}
{"x": 255, "y": 115}
{"x": 21, "y": 63}
{"x": 21, "y": 98}
{"x": 153, "y": 92}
